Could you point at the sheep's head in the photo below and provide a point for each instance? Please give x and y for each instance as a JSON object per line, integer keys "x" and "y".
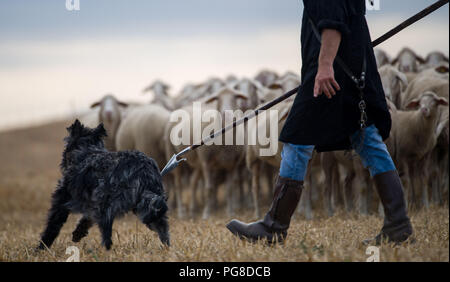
{"x": 394, "y": 82}
{"x": 407, "y": 60}
{"x": 427, "y": 103}
{"x": 157, "y": 86}
{"x": 227, "y": 99}
{"x": 109, "y": 109}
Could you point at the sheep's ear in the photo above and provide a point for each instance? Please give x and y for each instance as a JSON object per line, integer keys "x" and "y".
{"x": 123, "y": 104}
{"x": 96, "y": 104}
{"x": 240, "y": 96}
{"x": 420, "y": 59}
{"x": 413, "y": 104}
{"x": 442, "y": 101}
{"x": 441, "y": 69}
{"x": 275, "y": 86}
{"x": 394, "y": 61}
{"x": 100, "y": 131}
{"x": 211, "y": 99}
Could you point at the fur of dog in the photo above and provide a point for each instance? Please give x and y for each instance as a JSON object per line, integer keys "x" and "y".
{"x": 103, "y": 185}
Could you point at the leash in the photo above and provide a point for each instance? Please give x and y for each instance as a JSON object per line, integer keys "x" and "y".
{"x": 174, "y": 160}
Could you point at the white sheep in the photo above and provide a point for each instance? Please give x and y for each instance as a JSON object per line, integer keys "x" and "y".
{"x": 161, "y": 95}
{"x": 394, "y": 83}
{"x": 110, "y": 112}
{"x": 413, "y": 137}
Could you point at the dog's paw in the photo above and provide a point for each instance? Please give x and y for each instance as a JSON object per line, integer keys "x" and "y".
{"x": 108, "y": 245}
{"x": 76, "y": 237}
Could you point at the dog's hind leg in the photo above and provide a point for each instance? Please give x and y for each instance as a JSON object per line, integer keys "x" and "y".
{"x": 105, "y": 226}
{"x": 82, "y": 229}
{"x": 57, "y": 216}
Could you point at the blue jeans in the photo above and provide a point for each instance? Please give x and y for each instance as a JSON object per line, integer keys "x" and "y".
{"x": 373, "y": 153}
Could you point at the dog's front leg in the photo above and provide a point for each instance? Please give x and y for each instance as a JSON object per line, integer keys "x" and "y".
{"x": 105, "y": 226}
{"x": 57, "y": 216}
{"x": 82, "y": 229}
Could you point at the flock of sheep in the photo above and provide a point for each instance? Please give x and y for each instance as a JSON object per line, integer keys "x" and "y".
{"x": 417, "y": 92}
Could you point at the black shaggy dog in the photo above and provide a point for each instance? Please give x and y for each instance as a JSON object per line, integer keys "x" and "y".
{"x": 102, "y": 185}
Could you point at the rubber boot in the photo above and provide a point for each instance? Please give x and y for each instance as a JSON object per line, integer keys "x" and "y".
{"x": 397, "y": 226}
{"x": 275, "y": 224}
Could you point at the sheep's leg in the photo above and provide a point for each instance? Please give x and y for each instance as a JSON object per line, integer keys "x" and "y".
{"x": 306, "y": 199}
{"x": 178, "y": 195}
{"x": 328, "y": 189}
{"x": 231, "y": 183}
{"x": 209, "y": 191}
{"x": 348, "y": 190}
{"x": 423, "y": 184}
{"x": 255, "y": 187}
{"x": 82, "y": 229}
{"x": 56, "y": 218}
{"x": 337, "y": 189}
{"x": 413, "y": 195}
{"x": 193, "y": 187}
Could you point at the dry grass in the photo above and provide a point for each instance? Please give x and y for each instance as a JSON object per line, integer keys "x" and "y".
{"x": 28, "y": 174}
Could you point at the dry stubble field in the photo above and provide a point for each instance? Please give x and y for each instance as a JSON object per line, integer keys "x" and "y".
{"x": 29, "y": 171}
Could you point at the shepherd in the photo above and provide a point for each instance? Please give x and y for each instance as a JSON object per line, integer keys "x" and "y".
{"x": 341, "y": 106}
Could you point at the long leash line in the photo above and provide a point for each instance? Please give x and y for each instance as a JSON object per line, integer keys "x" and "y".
{"x": 174, "y": 161}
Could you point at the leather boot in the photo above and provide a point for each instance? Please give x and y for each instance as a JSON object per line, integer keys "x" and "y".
{"x": 275, "y": 224}
{"x": 397, "y": 226}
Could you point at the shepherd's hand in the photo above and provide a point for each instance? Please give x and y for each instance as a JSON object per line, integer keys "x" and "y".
{"x": 325, "y": 82}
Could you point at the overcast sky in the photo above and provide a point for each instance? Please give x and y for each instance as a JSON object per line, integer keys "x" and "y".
{"x": 53, "y": 61}
{"x": 48, "y": 19}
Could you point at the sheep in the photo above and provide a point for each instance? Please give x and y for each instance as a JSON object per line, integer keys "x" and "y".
{"x": 439, "y": 71}
{"x": 435, "y": 58}
{"x": 266, "y": 77}
{"x": 289, "y": 81}
{"x": 110, "y": 114}
{"x": 191, "y": 93}
{"x": 252, "y": 89}
{"x": 382, "y": 58}
{"x": 231, "y": 80}
{"x": 407, "y": 60}
{"x": 143, "y": 130}
{"x": 191, "y": 167}
{"x": 224, "y": 159}
{"x": 211, "y": 162}
{"x": 359, "y": 197}
{"x": 161, "y": 96}
{"x": 424, "y": 83}
{"x": 413, "y": 138}
{"x": 394, "y": 83}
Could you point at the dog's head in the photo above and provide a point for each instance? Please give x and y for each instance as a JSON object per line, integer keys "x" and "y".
{"x": 85, "y": 136}
{"x": 157, "y": 218}
{"x": 81, "y": 137}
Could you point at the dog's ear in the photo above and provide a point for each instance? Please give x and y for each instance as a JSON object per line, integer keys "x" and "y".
{"x": 100, "y": 131}
{"x": 75, "y": 128}
{"x": 158, "y": 207}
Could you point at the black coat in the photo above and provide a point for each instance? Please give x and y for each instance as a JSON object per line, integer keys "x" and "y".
{"x": 327, "y": 123}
